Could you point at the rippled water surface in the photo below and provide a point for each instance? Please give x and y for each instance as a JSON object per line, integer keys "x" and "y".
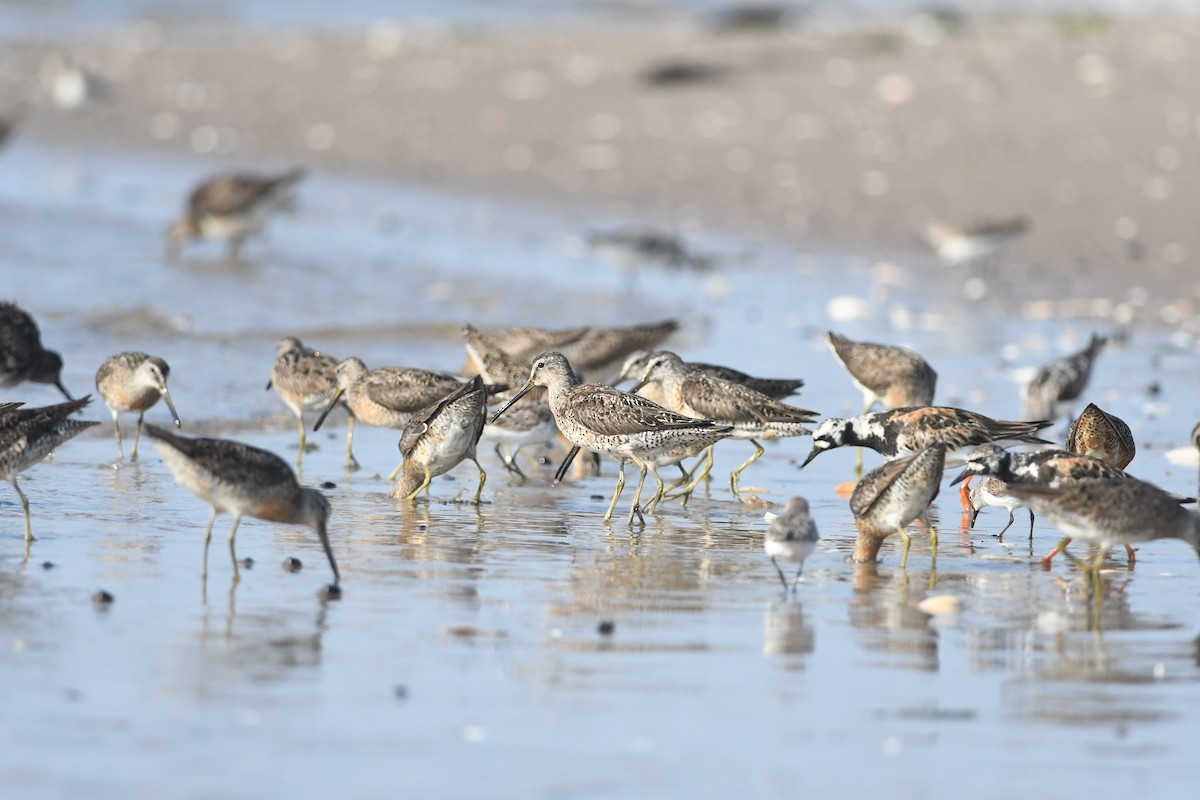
{"x": 465, "y": 658}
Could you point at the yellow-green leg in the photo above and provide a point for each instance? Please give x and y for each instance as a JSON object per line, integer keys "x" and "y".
{"x": 661, "y": 488}
{"x": 637, "y": 494}
{"x": 424, "y": 485}
{"x": 351, "y": 461}
{"x": 482, "y": 481}
{"x": 698, "y": 474}
{"x": 932, "y": 541}
{"x": 137, "y": 436}
{"x": 617, "y": 492}
{"x": 733, "y": 477}
{"x": 396, "y": 471}
{"x": 25, "y": 508}
{"x": 207, "y": 538}
{"x": 907, "y": 543}
{"x": 233, "y": 553}
{"x": 117, "y": 426}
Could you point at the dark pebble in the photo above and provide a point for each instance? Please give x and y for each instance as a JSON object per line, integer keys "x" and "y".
{"x": 1154, "y": 389}
{"x": 247, "y": 563}
{"x": 330, "y": 592}
{"x": 48, "y": 565}
{"x": 328, "y": 485}
{"x": 607, "y": 627}
{"x": 101, "y": 597}
{"x": 400, "y": 691}
{"x": 292, "y": 564}
{"x": 597, "y": 497}
{"x": 422, "y": 527}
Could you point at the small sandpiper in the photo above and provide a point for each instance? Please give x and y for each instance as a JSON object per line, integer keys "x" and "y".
{"x": 304, "y": 379}
{"x": 244, "y": 481}
{"x": 386, "y": 397}
{"x": 131, "y": 382}
{"x": 606, "y": 420}
{"x": 791, "y": 536}
{"x": 27, "y": 435}
{"x": 22, "y": 357}
{"x": 232, "y": 207}
{"x": 903, "y": 431}
{"x": 1059, "y": 383}
{"x": 957, "y": 245}
{"x": 893, "y": 495}
{"x": 752, "y": 415}
{"x": 440, "y": 437}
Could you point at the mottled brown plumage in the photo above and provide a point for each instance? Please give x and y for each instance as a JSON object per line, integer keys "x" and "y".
{"x": 130, "y": 382}
{"x": 232, "y": 207}
{"x": 894, "y": 376}
{"x": 893, "y": 495}
{"x": 1101, "y": 435}
{"x": 305, "y": 380}
{"x": 440, "y": 437}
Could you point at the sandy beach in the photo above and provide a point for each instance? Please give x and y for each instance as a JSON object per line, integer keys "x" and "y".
{"x": 823, "y": 131}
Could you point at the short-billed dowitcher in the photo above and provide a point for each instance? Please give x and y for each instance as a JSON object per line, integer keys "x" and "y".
{"x": 133, "y": 382}
{"x": 893, "y": 495}
{"x": 955, "y": 244}
{"x": 243, "y": 481}
{"x": 606, "y": 420}
{"x": 1124, "y": 511}
{"x": 791, "y": 536}
{"x": 1059, "y": 383}
{"x": 591, "y": 349}
{"x": 440, "y": 437}
{"x": 1101, "y": 435}
{"x": 752, "y": 415}
{"x": 22, "y": 357}
{"x": 776, "y": 388}
{"x": 902, "y": 431}
{"x": 304, "y": 379}
{"x": 529, "y": 422}
{"x": 386, "y": 397}
{"x": 232, "y": 207}
{"x": 27, "y": 435}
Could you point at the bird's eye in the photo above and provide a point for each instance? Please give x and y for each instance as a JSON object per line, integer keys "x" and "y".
{"x": 539, "y": 365}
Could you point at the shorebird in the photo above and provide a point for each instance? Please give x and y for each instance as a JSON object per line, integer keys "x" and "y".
{"x": 69, "y": 85}
{"x": 304, "y": 379}
{"x": 386, "y": 397}
{"x": 994, "y": 492}
{"x": 903, "y": 431}
{"x": 751, "y": 415}
{"x": 776, "y": 388}
{"x": 232, "y": 207}
{"x": 27, "y": 435}
{"x": 791, "y": 536}
{"x": 440, "y": 437}
{"x": 606, "y": 420}
{"x": 591, "y": 349}
{"x": 529, "y": 422}
{"x": 22, "y": 357}
{"x": 1060, "y": 382}
{"x": 1124, "y": 511}
{"x": 133, "y": 382}
{"x": 893, "y": 495}
{"x": 957, "y": 245}
{"x": 243, "y": 481}
{"x": 894, "y": 376}
{"x": 1101, "y": 435}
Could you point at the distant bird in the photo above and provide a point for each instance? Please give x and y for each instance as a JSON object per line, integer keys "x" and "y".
{"x": 791, "y": 536}
{"x": 1101, "y": 435}
{"x": 903, "y": 431}
{"x": 440, "y": 437}
{"x": 1060, "y": 382}
{"x": 71, "y": 86}
{"x": 305, "y": 380}
{"x": 894, "y": 376}
{"x": 243, "y": 481}
{"x": 29, "y": 435}
{"x": 701, "y": 395}
{"x": 606, "y": 420}
{"x": 133, "y": 382}
{"x": 1109, "y": 512}
{"x": 893, "y": 495}
{"x": 634, "y": 248}
{"x": 232, "y": 207}
{"x": 957, "y": 245}
{"x": 386, "y": 397}
{"x": 22, "y": 357}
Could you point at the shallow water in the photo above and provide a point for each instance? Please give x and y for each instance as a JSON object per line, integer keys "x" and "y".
{"x": 465, "y": 658}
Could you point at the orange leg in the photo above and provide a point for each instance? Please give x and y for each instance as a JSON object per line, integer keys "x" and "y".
{"x": 964, "y": 496}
